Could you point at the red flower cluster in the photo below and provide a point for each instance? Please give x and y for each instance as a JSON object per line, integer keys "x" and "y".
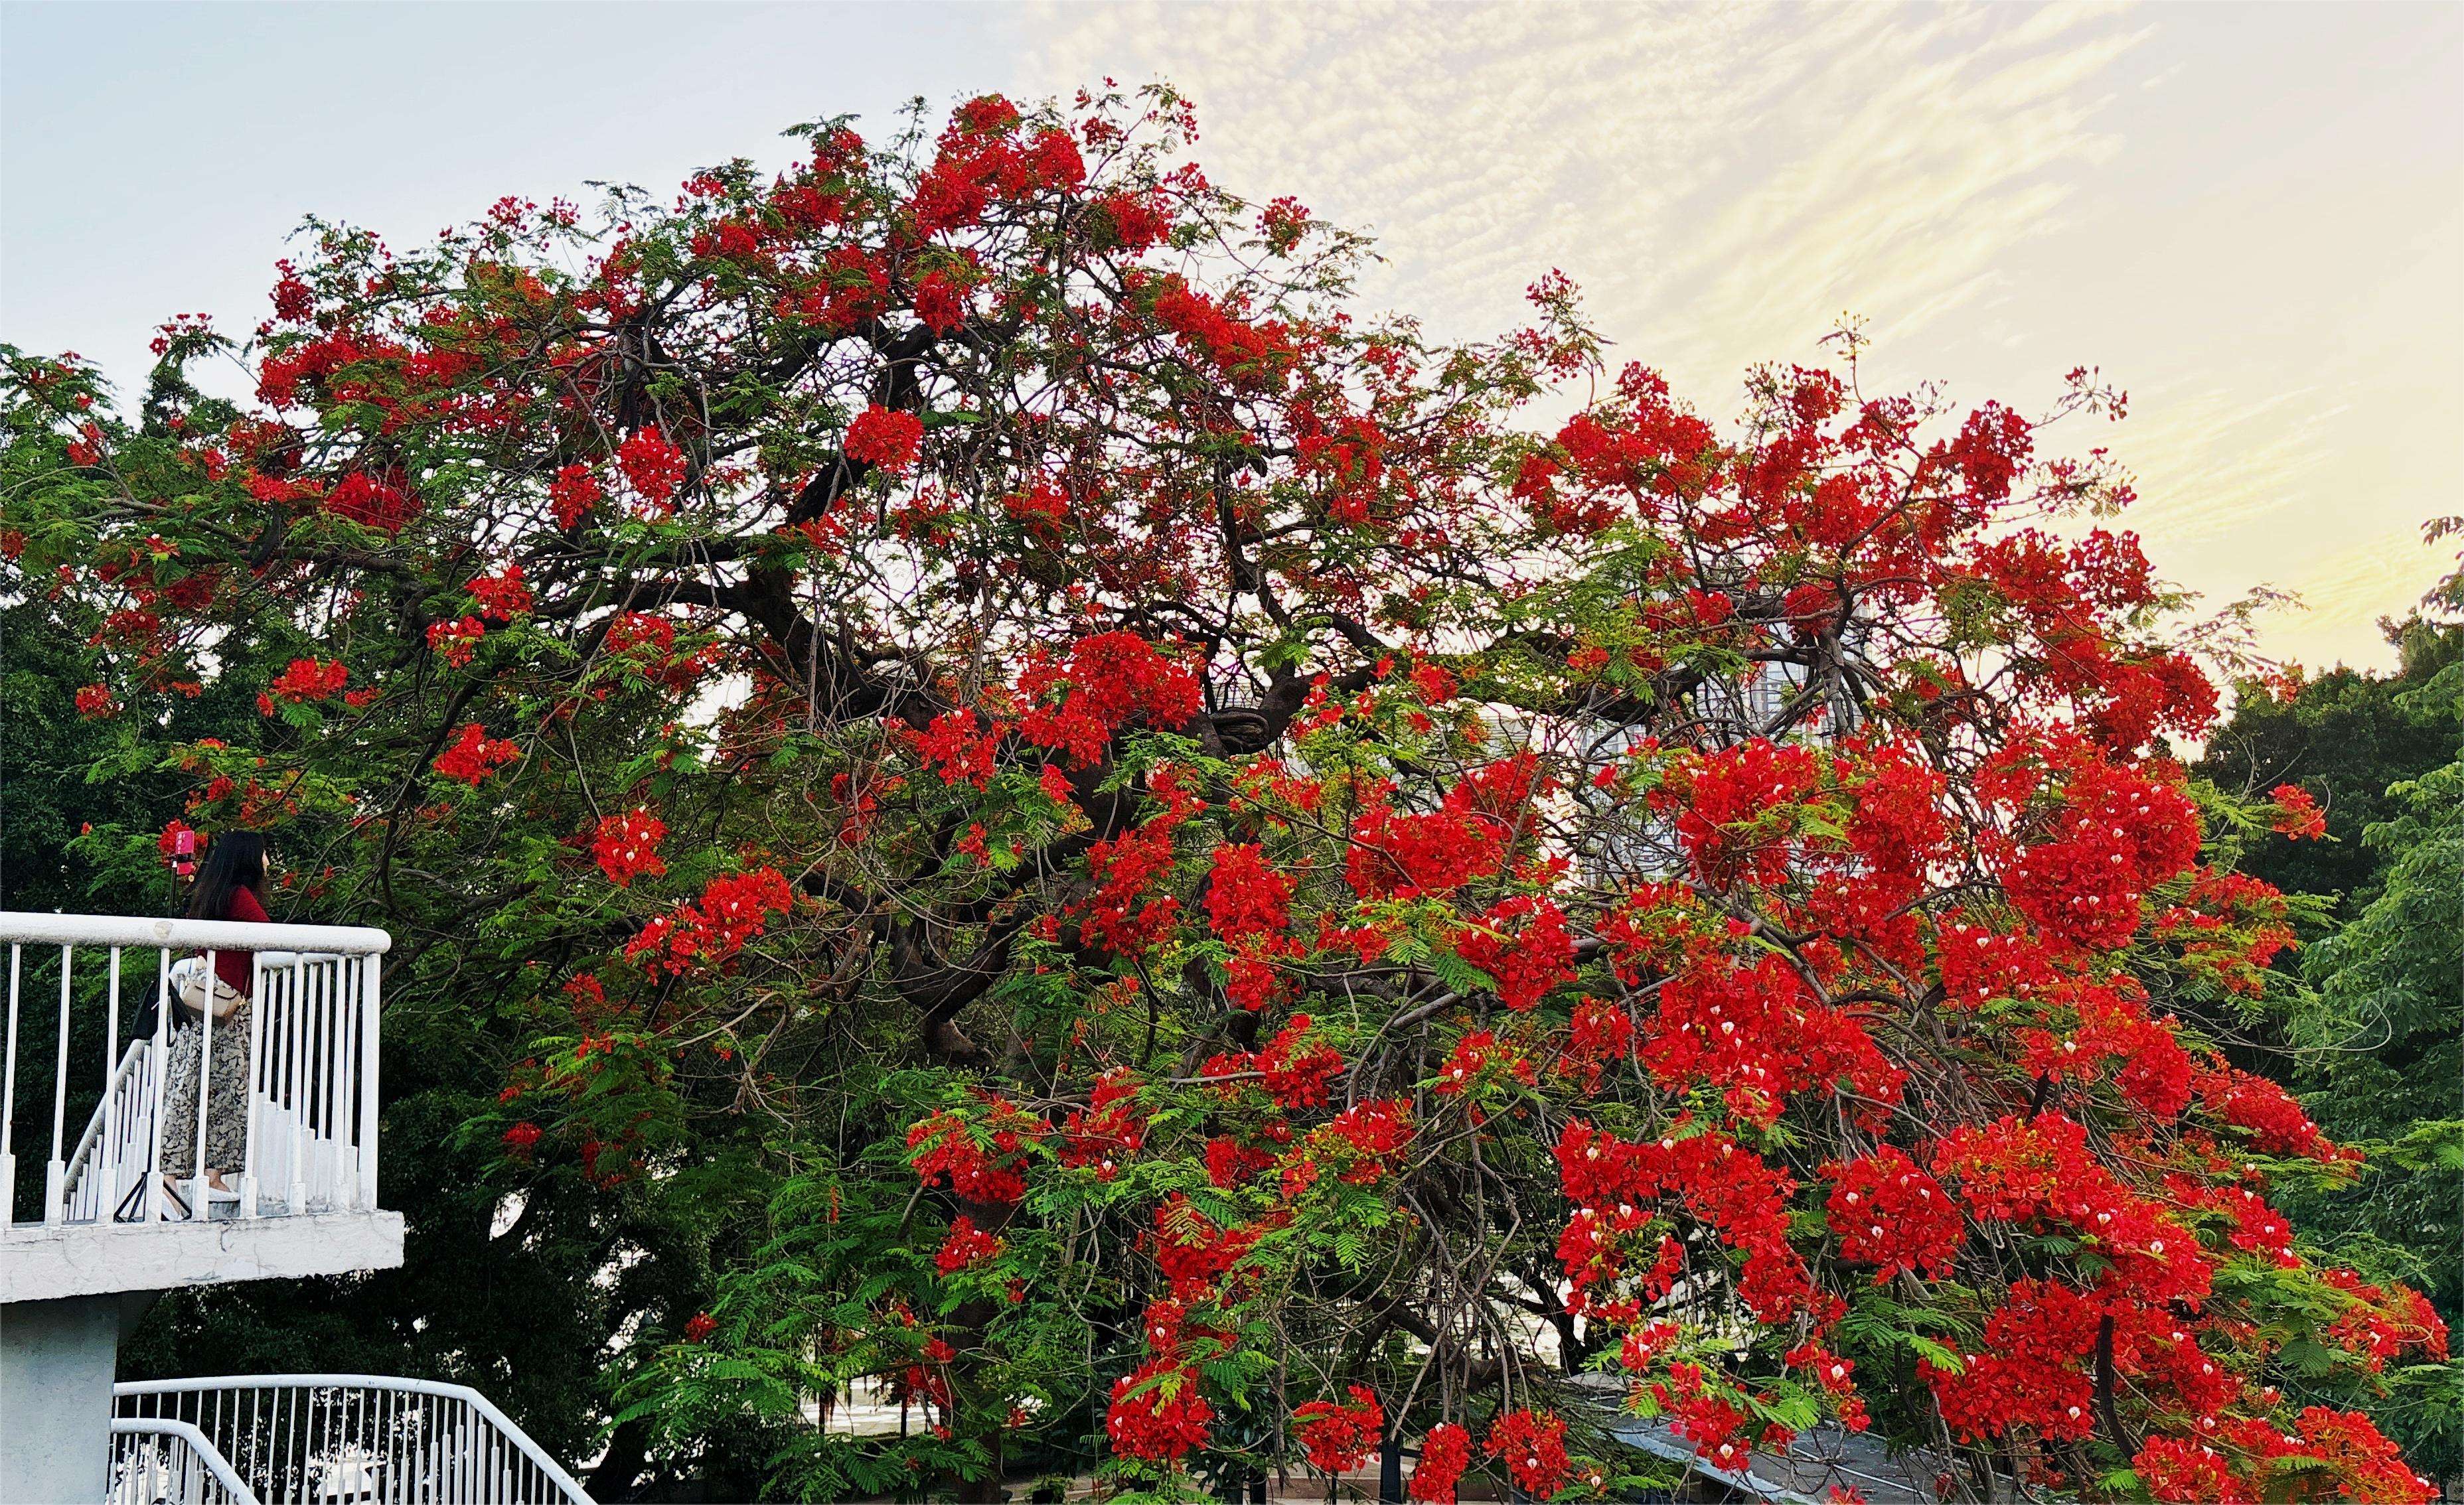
{"x": 653, "y": 467}
{"x": 1108, "y": 678}
{"x": 942, "y": 301}
{"x": 2115, "y": 835}
{"x": 2274, "y": 1122}
{"x": 2042, "y": 1172}
{"x": 454, "y": 642}
{"x": 732, "y": 911}
{"x": 573, "y": 494}
{"x": 364, "y": 499}
{"x": 1248, "y": 904}
{"x": 627, "y": 846}
{"x": 503, "y": 595}
{"x": 307, "y": 679}
{"x": 982, "y": 158}
{"x": 1247, "y": 896}
{"x": 886, "y": 438}
{"x": 1297, "y": 1071}
{"x": 1446, "y": 1453}
{"x": 1192, "y": 1252}
{"x": 967, "y": 1246}
{"x": 953, "y": 746}
{"x": 2177, "y": 1471}
{"x": 1251, "y": 355}
{"x": 983, "y": 1161}
{"x": 2033, "y": 1371}
{"x": 1156, "y": 1413}
{"x": 1125, "y": 914}
{"x": 1719, "y": 1182}
{"x": 1890, "y": 1213}
{"x": 1396, "y": 854}
{"x": 2378, "y": 1326}
{"x": 1523, "y": 943}
{"x": 1108, "y": 1130}
{"x": 2296, "y": 814}
{"x": 1335, "y": 1436}
{"x": 473, "y": 755}
{"x": 2368, "y": 1466}
{"x": 1468, "y": 1065}
{"x": 1369, "y": 1135}
{"x": 1532, "y": 1445}
{"x": 1757, "y": 1034}
{"x": 1734, "y": 810}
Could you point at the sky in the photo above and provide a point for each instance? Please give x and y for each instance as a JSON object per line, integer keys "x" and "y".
{"x": 2249, "y": 217}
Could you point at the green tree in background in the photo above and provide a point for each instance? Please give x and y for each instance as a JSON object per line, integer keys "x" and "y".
{"x": 2345, "y": 736}
{"x": 2377, "y": 1041}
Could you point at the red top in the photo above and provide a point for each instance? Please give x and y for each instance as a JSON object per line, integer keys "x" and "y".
{"x": 233, "y": 967}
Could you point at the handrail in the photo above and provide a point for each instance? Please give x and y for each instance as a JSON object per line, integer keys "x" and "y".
{"x": 27, "y": 928}
{"x": 130, "y": 1060}
{"x": 308, "y": 1049}
{"x": 531, "y": 1450}
{"x": 206, "y": 1454}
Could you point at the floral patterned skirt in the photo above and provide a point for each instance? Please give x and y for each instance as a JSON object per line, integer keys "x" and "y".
{"x": 226, "y": 1098}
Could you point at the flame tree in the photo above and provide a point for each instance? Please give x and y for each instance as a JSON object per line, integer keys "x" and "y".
{"x": 1149, "y": 860}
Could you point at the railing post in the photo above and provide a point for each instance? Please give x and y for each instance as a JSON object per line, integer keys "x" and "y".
{"x": 204, "y": 1205}
{"x": 254, "y": 1069}
{"x": 295, "y": 1079}
{"x": 365, "y": 1194}
{"x": 114, "y": 1129}
{"x": 8, "y": 1099}
{"x": 158, "y": 1068}
{"x": 55, "y": 1170}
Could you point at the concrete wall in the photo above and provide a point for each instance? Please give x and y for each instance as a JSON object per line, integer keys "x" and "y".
{"x": 42, "y": 1264}
{"x": 57, "y": 1360}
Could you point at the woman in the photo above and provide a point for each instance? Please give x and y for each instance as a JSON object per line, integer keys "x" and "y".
{"x": 231, "y": 886}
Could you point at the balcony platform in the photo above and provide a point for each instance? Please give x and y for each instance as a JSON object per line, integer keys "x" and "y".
{"x": 42, "y": 1264}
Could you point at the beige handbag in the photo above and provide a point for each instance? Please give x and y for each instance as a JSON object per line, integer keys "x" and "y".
{"x": 192, "y": 984}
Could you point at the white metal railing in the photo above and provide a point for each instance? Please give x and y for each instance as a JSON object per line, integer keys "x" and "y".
{"x": 310, "y": 1052}
{"x": 170, "y": 1463}
{"x": 326, "y": 1439}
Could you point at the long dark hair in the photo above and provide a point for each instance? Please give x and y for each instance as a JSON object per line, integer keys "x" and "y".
{"x": 235, "y": 859}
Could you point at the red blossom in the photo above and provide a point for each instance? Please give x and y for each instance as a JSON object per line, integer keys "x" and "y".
{"x": 1446, "y": 1453}
{"x": 1337, "y": 1436}
{"x": 473, "y": 755}
{"x": 733, "y": 909}
{"x": 2298, "y": 815}
{"x": 503, "y": 595}
{"x": 967, "y": 1246}
{"x": 456, "y": 642}
{"x": 307, "y": 679}
{"x": 627, "y": 846}
{"x": 1533, "y": 1447}
{"x": 1158, "y": 1412}
{"x": 573, "y": 494}
{"x": 883, "y": 437}
{"x": 653, "y": 467}
{"x": 1248, "y": 897}
{"x": 1106, "y": 680}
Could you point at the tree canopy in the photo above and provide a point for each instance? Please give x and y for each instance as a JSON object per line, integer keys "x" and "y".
{"x": 982, "y": 781}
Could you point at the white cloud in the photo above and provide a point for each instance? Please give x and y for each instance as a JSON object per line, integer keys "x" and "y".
{"x": 1993, "y": 187}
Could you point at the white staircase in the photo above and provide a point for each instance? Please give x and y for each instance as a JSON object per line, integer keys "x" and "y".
{"x": 171, "y": 1463}
{"x": 348, "y": 1439}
